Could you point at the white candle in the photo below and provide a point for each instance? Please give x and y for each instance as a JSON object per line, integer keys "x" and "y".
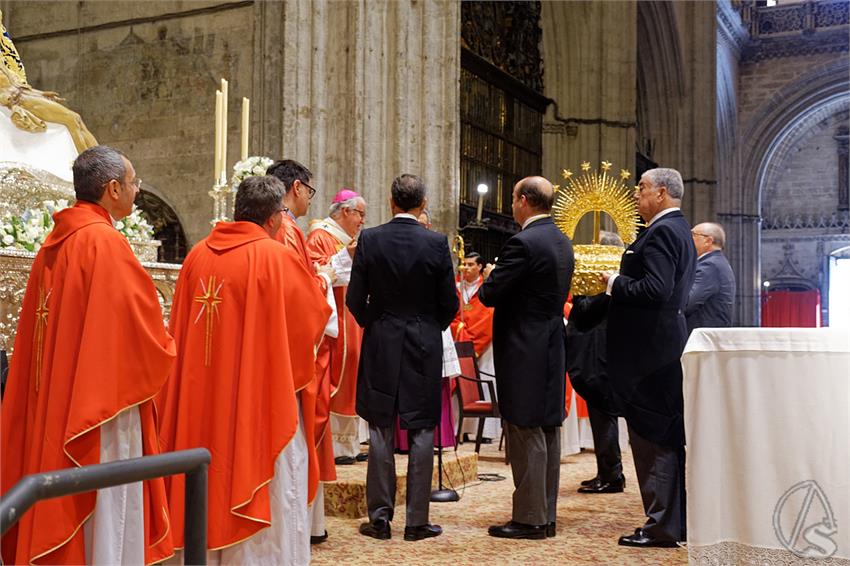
{"x": 224, "y": 129}
{"x": 246, "y": 112}
{"x": 217, "y": 141}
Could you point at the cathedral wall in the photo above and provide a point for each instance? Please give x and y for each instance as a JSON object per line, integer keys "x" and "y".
{"x": 143, "y": 78}
{"x": 676, "y": 95}
{"x": 806, "y": 182}
{"x": 358, "y": 91}
{"x": 589, "y": 56}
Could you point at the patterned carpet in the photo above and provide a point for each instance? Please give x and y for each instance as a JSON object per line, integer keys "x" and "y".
{"x": 588, "y": 527}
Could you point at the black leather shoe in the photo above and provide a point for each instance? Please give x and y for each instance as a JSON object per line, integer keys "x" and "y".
{"x": 423, "y": 531}
{"x": 344, "y": 460}
{"x": 362, "y": 457}
{"x": 604, "y": 486}
{"x": 513, "y": 529}
{"x": 319, "y": 539}
{"x": 550, "y": 530}
{"x": 590, "y": 481}
{"x": 376, "y": 529}
{"x": 641, "y": 540}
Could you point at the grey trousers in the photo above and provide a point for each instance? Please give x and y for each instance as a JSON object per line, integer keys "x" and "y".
{"x": 661, "y": 477}
{"x": 381, "y": 477}
{"x": 535, "y": 454}
{"x": 606, "y": 444}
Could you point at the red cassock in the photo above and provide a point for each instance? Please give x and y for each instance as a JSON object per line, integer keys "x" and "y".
{"x": 473, "y": 321}
{"x": 338, "y": 358}
{"x": 313, "y": 407}
{"x": 246, "y": 317}
{"x": 90, "y": 343}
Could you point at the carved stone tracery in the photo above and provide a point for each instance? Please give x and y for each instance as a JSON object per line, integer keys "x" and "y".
{"x": 507, "y": 35}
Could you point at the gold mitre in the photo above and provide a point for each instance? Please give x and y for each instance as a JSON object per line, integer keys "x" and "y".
{"x": 595, "y": 192}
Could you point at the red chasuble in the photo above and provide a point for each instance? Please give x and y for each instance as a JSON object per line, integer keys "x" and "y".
{"x": 473, "y": 321}
{"x": 247, "y": 318}
{"x": 345, "y": 349}
{"x": 291, "y": 236}
{"x": 90, "y": 344}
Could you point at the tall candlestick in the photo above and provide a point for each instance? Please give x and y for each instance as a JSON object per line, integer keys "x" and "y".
{"x": 217, "y": 142}
{"x": 246, "y": 112}
{"x": 224, "y": 129}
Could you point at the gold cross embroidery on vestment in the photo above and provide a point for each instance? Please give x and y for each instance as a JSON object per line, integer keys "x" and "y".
{"x": 209, "y": 300}
{"x": 41, "y": 313}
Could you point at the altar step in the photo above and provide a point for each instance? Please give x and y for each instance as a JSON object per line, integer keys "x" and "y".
{"x": 346, "y": 497}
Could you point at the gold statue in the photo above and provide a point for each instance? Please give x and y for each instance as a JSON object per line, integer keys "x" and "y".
{"x": 595, "y": 192}
{"x": 32, "y": 108}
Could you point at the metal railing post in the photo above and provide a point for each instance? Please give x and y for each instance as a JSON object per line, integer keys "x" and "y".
{"x": 35, "y": 487}
{"x": 195, "y": 531}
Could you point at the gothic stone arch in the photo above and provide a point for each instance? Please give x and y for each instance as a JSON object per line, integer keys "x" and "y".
{"x": 167, "y": 226}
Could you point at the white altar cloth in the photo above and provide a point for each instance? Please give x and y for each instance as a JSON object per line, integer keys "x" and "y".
{"x": 767, "y": 422}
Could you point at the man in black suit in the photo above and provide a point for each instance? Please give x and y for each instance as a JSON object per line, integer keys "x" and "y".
{"x": 586, "y": 353}
{"x": 402, "y": 292}
{"x": 712, "y": 297}
{"x": 646, "y": 337}
{"x": 528, "y": 288}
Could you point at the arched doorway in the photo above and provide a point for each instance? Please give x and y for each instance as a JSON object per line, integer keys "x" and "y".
{"x": 166, "y": 226}
{"x": 768, "y": 140}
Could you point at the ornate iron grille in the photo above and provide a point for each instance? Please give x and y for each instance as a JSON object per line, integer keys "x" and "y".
{"x": 501, "y": 142}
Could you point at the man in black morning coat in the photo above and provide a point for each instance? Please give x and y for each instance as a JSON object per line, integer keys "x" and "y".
{"x": 528, "y": 288}
{"x": 646, "y": 337}
{"x": 402, "y": 292}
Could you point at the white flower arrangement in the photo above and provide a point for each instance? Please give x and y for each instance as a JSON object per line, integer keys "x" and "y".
{"x": 29, "y": 230}
{"x": 249, "y": 167}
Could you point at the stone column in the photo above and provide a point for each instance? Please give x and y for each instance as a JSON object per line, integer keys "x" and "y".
{"x": 362, "y": 92}
{"x": 589, "y": 60}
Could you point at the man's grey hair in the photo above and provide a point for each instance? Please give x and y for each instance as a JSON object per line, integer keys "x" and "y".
{"x": 669, "y": 178}
{"x": 94, "y": 168}
{"x": 607, "y": 238}
{"x": 337, "y": 207}
{"x": 258, "y": 198}
{"x": 716, "y": 231}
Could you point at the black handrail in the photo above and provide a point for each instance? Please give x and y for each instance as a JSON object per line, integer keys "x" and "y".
{"x": 70, "y": 481}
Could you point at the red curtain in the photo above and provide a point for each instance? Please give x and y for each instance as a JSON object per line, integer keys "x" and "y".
{"x": 800, "y": 309}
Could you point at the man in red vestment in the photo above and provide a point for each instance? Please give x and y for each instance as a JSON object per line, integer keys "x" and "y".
{"x": 90, "y": 352}
{"x": 247, "y": 318}
{"x": 474, "y": 322}
{"x": 332, "y": 242}
{"x": 297, "y": 180}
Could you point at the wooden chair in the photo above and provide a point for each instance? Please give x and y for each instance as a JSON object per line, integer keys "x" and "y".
{"x": 470, "y": 391}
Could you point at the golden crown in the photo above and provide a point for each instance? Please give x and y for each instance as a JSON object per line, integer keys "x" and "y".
{"x": 596, "y": 191}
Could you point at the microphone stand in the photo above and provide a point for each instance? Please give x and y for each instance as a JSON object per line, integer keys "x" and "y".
{"x": 442, "y": 495}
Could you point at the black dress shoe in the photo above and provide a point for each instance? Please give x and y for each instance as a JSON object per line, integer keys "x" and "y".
{"x": 319, "y": 539}
{"x": 344, "y": 460}
{"x": 513, "y": 529}
{"x": 590, "y": 481}
{"x": 362, "y": 457}
{"x": 376, "y": 529}
{"x": 641, "y": 540}
{"x": 550, "y": 530}
{"x": 600, "y": 486}
{"x": 422, "y": 531}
